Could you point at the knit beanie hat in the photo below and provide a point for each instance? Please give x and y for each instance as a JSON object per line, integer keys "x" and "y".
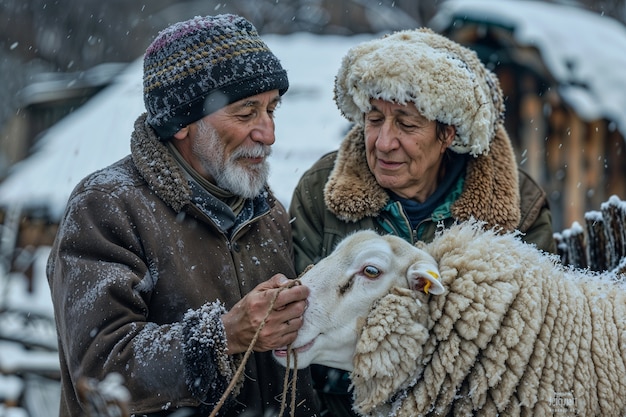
{"x": 446, "y": 82}
{"x": 198, "y": 66}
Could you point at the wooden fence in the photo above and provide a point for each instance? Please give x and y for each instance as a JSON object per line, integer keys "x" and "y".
{"x": 599, "y": 245}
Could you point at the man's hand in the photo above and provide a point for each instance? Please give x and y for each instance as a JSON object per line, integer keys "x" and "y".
{"x": 282, "y": 324}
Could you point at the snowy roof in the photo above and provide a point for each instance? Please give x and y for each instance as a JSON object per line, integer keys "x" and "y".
{"x": 580, "y": 48}
{"x": 308, "y": 124}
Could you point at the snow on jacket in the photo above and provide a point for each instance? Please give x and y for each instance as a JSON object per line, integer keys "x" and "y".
{"x": 141, "y": 272}
{"x": 339, "y": 195}
{"x": 515, "y": 333}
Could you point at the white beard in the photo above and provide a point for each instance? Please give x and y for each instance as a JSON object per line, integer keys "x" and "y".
{"x": 228, "y": 174}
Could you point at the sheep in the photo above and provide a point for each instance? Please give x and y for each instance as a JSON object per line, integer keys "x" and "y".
{"x": 505, "y": 330}
{"x": 369, "y": 266}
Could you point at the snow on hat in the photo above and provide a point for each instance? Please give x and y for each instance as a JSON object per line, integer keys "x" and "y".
{"x": 198, "y": 66}
{"x": 446, "y": 81}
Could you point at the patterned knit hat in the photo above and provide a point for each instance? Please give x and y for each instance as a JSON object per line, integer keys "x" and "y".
{"x": 446, "y": 82}
{"x": 196, "y": 67}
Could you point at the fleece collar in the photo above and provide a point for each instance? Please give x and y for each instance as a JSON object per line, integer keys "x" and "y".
{"x": 490, "y": 194}
{"x": 158, "y": 166}
{"x": 166, "y": 178}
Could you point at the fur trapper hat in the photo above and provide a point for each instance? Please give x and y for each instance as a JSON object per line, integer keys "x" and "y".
{"x": 446, "y": 81}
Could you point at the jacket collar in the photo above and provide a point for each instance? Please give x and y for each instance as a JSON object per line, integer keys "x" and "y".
{"x": 158, "y": 167}
{"x": 491, "y": 192}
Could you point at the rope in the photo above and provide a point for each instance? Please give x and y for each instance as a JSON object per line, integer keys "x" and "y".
{"x": 246, "y": 356}
{"x": 283, "y": 402}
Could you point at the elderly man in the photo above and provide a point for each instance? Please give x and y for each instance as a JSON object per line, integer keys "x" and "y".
{"x": 167, "y": 262}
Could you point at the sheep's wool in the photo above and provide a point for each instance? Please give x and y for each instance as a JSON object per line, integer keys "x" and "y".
{"x": 446, "y": 82}
{"x": 516, "y": 333}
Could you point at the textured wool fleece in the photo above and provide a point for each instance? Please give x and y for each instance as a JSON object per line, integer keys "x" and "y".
{"x": 515, "y": 333}
{"x": 446, "y": 82}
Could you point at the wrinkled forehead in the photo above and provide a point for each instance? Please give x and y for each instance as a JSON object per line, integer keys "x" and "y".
{"x": 396, "y": 108}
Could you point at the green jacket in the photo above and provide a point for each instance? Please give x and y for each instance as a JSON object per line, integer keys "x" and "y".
{"x": 339, "y": 195}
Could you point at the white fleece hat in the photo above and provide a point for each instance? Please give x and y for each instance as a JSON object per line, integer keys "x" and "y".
{"x": 446, "y": 81}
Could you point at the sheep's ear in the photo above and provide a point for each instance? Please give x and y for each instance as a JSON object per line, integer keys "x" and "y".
{"x": 423, "y": 276}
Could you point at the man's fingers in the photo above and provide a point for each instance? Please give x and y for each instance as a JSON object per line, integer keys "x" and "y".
{"x": 276, "y": 281}
{"x": 287, "y": 296}
{"x": 294, "y": 323}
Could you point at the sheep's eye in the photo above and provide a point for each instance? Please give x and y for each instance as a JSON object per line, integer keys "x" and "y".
{"x": 371, "y": 271}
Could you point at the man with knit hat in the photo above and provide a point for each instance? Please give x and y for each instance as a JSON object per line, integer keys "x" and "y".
{"x": 427, "y": 149}
{"x": 168, "y": 262}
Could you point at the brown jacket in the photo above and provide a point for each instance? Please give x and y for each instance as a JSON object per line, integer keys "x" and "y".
{"x": 140, "y": 273}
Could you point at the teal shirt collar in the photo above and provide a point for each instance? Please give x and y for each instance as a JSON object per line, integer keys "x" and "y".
{"x": 394, "y": 220}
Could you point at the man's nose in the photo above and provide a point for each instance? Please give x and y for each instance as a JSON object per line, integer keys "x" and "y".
{"x": 387, "y": 136}
{"x": 263, "y": 131}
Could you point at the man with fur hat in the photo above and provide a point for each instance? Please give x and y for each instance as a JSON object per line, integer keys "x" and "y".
{"x": 427, "y": 149}
{"x": 167, "y": 262}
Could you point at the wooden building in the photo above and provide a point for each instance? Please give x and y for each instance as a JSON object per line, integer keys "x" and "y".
{"x": 579, "y": 159}
{"x": 45, "y": 101}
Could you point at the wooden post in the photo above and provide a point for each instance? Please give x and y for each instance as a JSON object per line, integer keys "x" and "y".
{"x": 597, "y": 243}
{"x": 614, "y": 214}
{"x": 561, "y": 247}
{"x": 574, "y": 240}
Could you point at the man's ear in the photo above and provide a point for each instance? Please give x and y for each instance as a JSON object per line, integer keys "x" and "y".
{"x": 450, "y": 134}
{"x": 182, "y": 133}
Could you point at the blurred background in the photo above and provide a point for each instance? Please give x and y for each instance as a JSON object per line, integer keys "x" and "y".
{"x": 560, "y": 63}
{"x": 55, "y": 55}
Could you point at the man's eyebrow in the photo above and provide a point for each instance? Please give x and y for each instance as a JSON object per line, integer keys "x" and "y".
{"x": 253, "y": 103}
{"x": 402, "y": 111}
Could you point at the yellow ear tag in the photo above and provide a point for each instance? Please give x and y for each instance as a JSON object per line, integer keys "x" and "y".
{"x": 433, "y": 274}
{"x": 428, "y": 283}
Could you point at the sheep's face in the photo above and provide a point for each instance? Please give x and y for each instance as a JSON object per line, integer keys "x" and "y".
{"x": 343, "y": 288}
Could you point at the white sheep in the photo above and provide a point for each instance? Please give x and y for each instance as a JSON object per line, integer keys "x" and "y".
{"x": 513, "y": 333}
